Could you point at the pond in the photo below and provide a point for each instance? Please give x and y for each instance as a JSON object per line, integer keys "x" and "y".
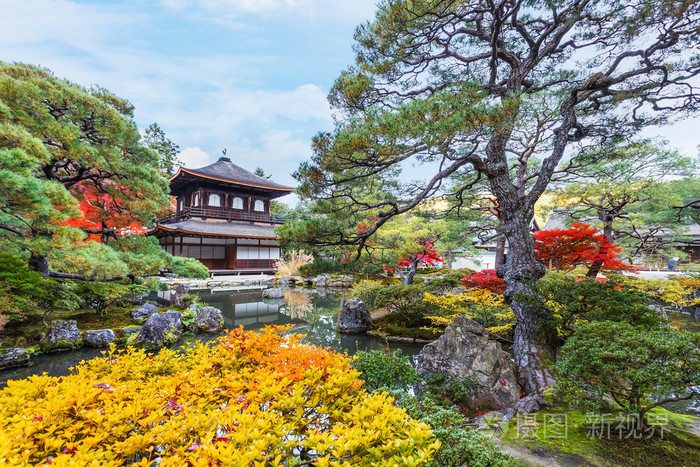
{"x": 310, "y": 312}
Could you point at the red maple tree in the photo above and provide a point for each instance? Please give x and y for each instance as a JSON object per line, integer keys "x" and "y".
{"x": 580, "y": 245}
{"x": 484, "y": 279}
{"x": 103, "y": 214}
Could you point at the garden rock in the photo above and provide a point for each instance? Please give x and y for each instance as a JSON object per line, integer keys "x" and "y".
{"x": 99, "y": 338}
{"x": 466, "y": 351}
{"x": 153, "y": 330}
{"x": 132, "y": 330}
{"x": 180, "y": 291}
{"x": 273, "y": 293}
{"x": 144, "y": 311}
{"x": 693, "y": 309}
{"x": 11, "y": 358}
{"x": 354, "y": 317}
{"x": 64, "y": 333}
{"x": 321, "y": 281}
{"x": 174, "y": 318}
{"x": 530, "y": 404}
{"x": 209, "y": 319}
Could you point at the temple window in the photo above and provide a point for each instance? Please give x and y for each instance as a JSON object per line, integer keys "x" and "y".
{"x": 214, "y": 200}
{"x": 195, "y": 200}
{"x": 237, "y": 203}
{"x": 259, "y": 206}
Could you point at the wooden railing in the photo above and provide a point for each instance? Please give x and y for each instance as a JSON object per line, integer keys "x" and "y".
{"x": 221, "y": 213}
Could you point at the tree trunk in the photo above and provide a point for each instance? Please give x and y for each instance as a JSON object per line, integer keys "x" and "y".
{"x": 408, "y": 280}
{"x": 40, "y": 264}
{"x": 535, "y": 340}
{"x": 500, "y": 248}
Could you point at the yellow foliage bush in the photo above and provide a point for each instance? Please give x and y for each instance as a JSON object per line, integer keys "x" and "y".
{"x": 674, "y": 291}
{"x": 254, "y": 399}
{"x": 482, "y": 305}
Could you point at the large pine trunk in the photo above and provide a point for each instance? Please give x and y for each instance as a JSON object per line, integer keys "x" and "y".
{"x": 535, "y": 340}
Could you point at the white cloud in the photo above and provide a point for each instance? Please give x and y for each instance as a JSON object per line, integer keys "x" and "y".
{"x": 194, "y": 158}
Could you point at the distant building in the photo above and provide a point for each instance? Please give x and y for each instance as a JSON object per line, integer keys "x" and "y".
{"x": 222, "y": 218}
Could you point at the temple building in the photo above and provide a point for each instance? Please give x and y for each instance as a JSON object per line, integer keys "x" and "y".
{"x": 222, "y": 218}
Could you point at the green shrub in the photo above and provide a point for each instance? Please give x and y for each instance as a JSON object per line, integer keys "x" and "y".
{"x": 394, "y": 325}
{"x": 573, "y": 299}
{"x": 188, "y": 267}
{"x": 461, "y": 445}
{"x": 406, "y": 302}
{"x": 101, "y": 295}
{"x": 632, "y": 365}
{"x": 20, "y": 287}
{"x": 367, "y": 291}
{"x": 450, "y": 278}
{"x": 449, "y": 392}
{"x": 384, "y": 369}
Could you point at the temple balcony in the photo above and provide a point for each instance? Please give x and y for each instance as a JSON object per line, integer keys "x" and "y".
{"x": 220, "y": 213}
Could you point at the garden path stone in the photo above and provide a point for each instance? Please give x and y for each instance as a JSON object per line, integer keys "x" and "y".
{"x": 466, "y": 350}
{"x": 99, "y": 338}
{"x": 354, "y": 317}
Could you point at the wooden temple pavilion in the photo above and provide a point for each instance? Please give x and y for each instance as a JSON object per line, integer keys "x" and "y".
{"x": 222, "y": 218}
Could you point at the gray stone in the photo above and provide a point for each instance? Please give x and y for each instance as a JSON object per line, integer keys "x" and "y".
{"x": 180, "y": 291}
{"x": 466, "y": 351}
{"x": 144, "y": 311}
{"x": 153, "y": 330}
{"x": 64, "y": 332}
{"x": 132, "y": 330}
{"x": 209, "y": 319}
{"x": 693, "y": 309}
{"x": 99, "y": 338}
{"x": 530, "y": 404}
{"x": 321, "y": 281}
{"x": 273, "y": 293}
{"x": 11, "y": 358}
{"x": 354, "y": 317}
{"x": 457, "y": 290}
{"x": 174, "y": 318}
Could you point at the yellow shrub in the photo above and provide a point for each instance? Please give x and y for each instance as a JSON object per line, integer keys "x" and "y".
{"x": 482, "y": 305}
{"x": 674, "y": 291}
{"x": 251, "y": 399}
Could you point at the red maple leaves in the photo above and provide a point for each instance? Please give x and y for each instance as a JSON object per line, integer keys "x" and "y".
{"x": 581, "y": 245}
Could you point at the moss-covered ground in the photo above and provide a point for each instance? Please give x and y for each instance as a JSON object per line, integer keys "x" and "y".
{"x": 393, "y": 325}
{"x": 540, "y": 443}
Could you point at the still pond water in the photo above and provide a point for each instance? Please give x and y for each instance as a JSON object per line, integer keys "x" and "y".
{"x": 310, "y": 312}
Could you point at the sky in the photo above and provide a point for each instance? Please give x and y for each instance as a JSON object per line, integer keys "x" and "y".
{"x": 250, "y": 76}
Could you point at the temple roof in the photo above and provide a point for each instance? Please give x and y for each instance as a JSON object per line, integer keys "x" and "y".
{"x": 218, "y": 229}
{"x": 226, "y": 173}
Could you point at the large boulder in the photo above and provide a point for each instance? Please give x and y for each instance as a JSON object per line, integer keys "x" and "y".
{"x": 63, "y": 334}
{"x": 174, "y": 318}
{"x": 177, "y": 296}
{"x": 11, "y": 358}
{"x": 693, "y": 309}
{"x": 209, "y": 319}
{"x": 273, "y": 293}
{"x": 153, "y": 331}
{"x": 99, "y": 338}
{"x": 144, "y": 311}
{"x": 354, "y": 317}
{"x": 466, "y": 351}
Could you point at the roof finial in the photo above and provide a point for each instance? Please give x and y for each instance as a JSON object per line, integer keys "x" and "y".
{"x": 225, "y": 159}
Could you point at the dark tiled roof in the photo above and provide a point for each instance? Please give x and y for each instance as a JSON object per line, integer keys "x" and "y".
{"x": 224, "y": 169}
{"x": 229, "y": 229}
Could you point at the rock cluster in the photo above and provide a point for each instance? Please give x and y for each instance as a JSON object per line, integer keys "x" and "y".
{"x": 466, "y": 351}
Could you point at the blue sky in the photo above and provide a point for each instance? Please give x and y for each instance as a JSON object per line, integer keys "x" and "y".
{"x": 247, "y": 75}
